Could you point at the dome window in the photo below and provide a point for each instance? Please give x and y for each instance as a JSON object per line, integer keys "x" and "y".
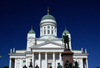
{"x": 48, "y": 27}
{"x": 48, "y": 31}
{"x": 44, "y": 31}
{"x": 51, "y": 31}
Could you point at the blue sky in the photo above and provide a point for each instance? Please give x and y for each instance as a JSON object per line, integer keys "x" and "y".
{"x": 81, "y": 18}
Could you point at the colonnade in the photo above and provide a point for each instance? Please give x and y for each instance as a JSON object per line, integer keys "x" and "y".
{"x": 46, "y": 60}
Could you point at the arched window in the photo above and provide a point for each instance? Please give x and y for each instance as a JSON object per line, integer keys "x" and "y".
{"x": 44, "y": 31}
{"x": 51, "y": 31}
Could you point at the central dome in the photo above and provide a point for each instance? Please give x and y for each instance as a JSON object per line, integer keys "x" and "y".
{"x": 48, "y": 16}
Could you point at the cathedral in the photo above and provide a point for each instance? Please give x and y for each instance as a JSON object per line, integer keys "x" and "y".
{"x": 45, "y": 51}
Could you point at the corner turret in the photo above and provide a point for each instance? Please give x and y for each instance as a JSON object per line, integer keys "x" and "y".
{"x": 31, "y": 38}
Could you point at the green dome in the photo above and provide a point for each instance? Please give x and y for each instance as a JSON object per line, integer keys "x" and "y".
{"x": 48, "y": 16}
{"x": 31, "y": 31}
{"x": 67, "y": 32}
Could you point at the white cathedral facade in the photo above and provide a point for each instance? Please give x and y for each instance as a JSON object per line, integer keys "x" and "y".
{"x": 46, "y": 50}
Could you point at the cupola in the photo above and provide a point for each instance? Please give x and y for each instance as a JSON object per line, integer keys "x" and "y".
{"x": 48, "y": 26}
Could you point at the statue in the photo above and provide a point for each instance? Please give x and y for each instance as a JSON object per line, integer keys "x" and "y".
{"x": 25, "y": 66}
{"x": 70, "y": 65}
{"x": 66, "y": 40}
{"x": 37, "y": 66}
{"x": 30, "y": 66}
{"x": 59, "y": 66}
{"x": 76, "y": 65}
{"x": 67, "y": 64}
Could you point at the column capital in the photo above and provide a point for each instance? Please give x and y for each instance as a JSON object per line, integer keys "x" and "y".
{"x": 53, "y": 52}
{"x": 45, "y": 52}
{"x": 39, "y": 52}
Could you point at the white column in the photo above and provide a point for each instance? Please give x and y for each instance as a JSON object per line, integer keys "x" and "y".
{"x": 21, "y": 61}
{"x": 33, "y": 60}
{"x": 39, "y": 60}
{"x": 45, "y": 59}
{"x": 54, "y": 64}
{"x": 60, "y": 59}
{"x": 15, "y": 63}
{"x": 10, "y": 63}
{"x": 27, "y": 62}
{"x": 81, "y": 64}
{"x": 86, "y": 63}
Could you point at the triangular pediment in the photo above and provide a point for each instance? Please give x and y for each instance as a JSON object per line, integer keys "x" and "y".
{"x": 48, "y": 45}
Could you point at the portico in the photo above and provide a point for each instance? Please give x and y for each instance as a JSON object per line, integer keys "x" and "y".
{"x": 45, "y": 58}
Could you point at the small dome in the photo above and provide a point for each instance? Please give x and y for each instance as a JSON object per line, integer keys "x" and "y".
{"x": 67, "y": 32}
{"x": 48, "y": 16}
{"x": 31, "y": 31}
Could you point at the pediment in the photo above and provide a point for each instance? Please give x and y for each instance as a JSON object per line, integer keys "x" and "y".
{"x": 48, "y": 45}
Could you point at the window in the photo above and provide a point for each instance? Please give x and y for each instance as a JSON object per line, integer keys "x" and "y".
{"x": 48, "y": 26}
{"x": 24, "y": 61}
{"x": 48, "y": 31}
{"x": 51, "y": 31}
{"x": 44, "y": 31}
{"x": 52, "y": 27}
{"x": 44, "y": 27}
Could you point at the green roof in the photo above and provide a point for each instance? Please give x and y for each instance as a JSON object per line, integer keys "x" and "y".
{"x": 67, "y": 32}
{"x": 31, "y": 31}
{"x": 48, "y": 16}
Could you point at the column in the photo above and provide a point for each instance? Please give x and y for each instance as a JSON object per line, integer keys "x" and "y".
{"x": 15, "y": 63}
{"x": 54, "y": 64}
{"x": 60, "y": 59}
{"x": 86, "y": 63}
{"x": 81, "y": 64}
{"x": 46, "y": 60}
{"x": 21, "y": 61}
{"x": 39, "y": 60}
{"x": 33, "y": 60}
{"x": 27, "y": 62}
{"x": 10, "y": 63}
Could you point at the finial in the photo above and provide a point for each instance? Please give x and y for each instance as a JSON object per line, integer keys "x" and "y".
{"x": 31, "y": 27}
{"x": 10, "y": 50}
{"x": 85, "y": 50}
{"x": 65, "y": 27}
{"x": 48, "y": 10}
{"x": 82, "y": 49}
{"x": 13, "y": 49}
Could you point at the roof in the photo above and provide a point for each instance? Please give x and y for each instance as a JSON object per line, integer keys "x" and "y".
{"x": 48, "y": 16}
{"x": 65, "y": 31}
{"x": 31, "y": 31}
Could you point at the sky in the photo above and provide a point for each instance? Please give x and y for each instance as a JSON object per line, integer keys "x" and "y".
{"x": 81, "y": 18}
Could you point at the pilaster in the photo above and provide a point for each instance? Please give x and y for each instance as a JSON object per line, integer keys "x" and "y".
{"x": 45, "y": 59}
{"x": 39, "y": 60}
{"x": 60, "y": 59}
{"x": 86, "y": 63}
{"x": 54, "y": 60}
{"x": 33, "y": 60}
